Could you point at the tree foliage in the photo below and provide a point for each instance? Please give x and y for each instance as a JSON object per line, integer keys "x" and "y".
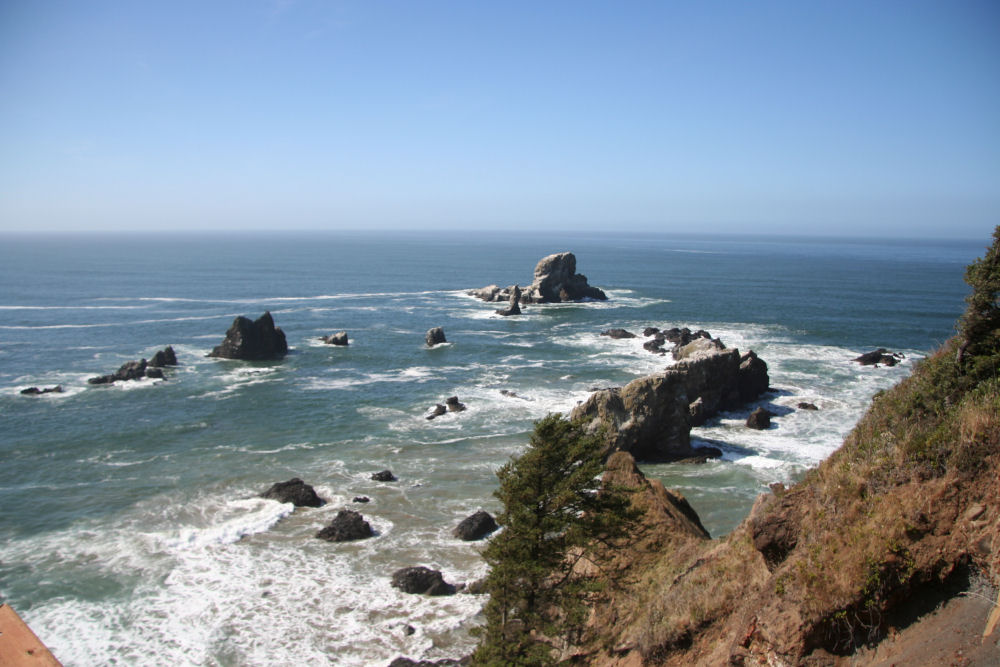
{"x": 554, "y": 509}
{"x": 979, "y": 326}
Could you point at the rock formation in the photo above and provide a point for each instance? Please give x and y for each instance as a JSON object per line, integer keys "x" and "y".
{"x": 347, "y": 526}
{"x": 383, "y": 476}
{"x": 294, "y": 491}
{"x": 437, "y": 411}
{"x": 515, "y": 298}
{"x": 879, "y": 356}
{"x": 760, "y": 419}
{"x": 618, "y": 333}
{"x": 252, "y": 340}
{"x": 339, "y": 338}
{"x": 135, "y": 370}
{"x": 454, "y": 405}
{"x": 164, "y": 357}
{"x": 35, "y": 391}
{"x": 421, "y": 581}
{"x": 555, "y": 281}
{"x": 435, "y": 336}
{"x": 475, "y": 527}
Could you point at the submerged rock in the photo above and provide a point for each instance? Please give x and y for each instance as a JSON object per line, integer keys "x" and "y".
{"x": 252, "y": 340}
{"x": 475, "y": 527}
{"x": 435, "y": 336}
{"x": 421, "y": 581}
{"x": 294, "y": 491}
{"x": 347, "y": 526}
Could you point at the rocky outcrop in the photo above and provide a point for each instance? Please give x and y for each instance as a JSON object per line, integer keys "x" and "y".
{"x": 421, "y": 581}
{"x": 454, "y": 405}
{"x": 136, "y": 370}
{"x": 383, "y": 476}
{"x": 514, "y": 307}
{"x": 339, "y": 338}
{"x": 165, "y": 357}
{"x": 555, "y": 281}
{"x": 475, "y": 527}
{"x": 435, "y": 336}
{"x": 252, "y": 340}
{"x": 35, "y": 391}
{"x": 760, "y": 419}
{"x": 294, "y": 491}
{"x": 347, "y": 526}
{"x": 618, "y": 334}
{"x": 880, "y": 356}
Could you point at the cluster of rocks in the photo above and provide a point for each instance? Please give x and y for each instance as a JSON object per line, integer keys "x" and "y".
{"x": 880, "y": 356}
{"x": 252, "y": 340}
{"x": 452, "y": 404}
{"x": 38, "y": 391}
{"x": 677, "y": 336}
{"x": 651, "y": 417}
{"x": 555, "y": 281}
{"x": 136, "y": 370}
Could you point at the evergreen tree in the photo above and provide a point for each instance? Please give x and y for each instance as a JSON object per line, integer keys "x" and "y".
{"x": 979, "y": 326}
{"x": 554, "y": 510}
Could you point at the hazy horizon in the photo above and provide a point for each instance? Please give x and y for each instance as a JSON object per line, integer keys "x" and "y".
{"x": 779, "y": 118}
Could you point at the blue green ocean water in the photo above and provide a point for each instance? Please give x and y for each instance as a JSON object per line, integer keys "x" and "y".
{"x": 131, "y": 529}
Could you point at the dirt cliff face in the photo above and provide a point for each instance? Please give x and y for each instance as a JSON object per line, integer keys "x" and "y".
{"x": 904, "y": 515}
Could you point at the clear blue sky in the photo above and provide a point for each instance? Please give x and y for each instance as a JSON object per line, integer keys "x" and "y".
{"x": 873, "y": 118}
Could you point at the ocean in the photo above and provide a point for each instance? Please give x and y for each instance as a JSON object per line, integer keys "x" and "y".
{"x": 132, "y": 531}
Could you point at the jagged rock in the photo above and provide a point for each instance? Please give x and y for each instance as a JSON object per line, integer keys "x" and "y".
{"x": 807, "y": 406}
{"x": 514, "y": 307}
{"x": 383, "y": 476}
{"x": 618, "y": 333}
{"x": 252, "y": 340}
{"x": 421, "y": 581}
{"x": 130, "y": 370}
{"x": 879, "y": 356}
{"x": 164, "y": 357}
{"x": 339, "y": 338}
{"x": 435, "y": 336}
{"x": 655, "y": 344}
{"x": 760, "y": 419}
{"x": 294, "y": 491}
{"x": 752, "y": 378}
{"x": 684, "y": 336}
{"x": 347, "y": 526}
{"x": 475, "y": 527}
{"x": 453, "y": 404}
{"x": 35, "y": 391}
{"x": 437, "y": 411}
{"x": 555, "y": 280}
{"x": 650, "y": 331}
{"x": 361, "y": 499}
{"x": 648, "y": 417}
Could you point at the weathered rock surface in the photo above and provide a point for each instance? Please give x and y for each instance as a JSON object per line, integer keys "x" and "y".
{"x": 165, "y": 357}
{"x": 421, "y": 581}
{"x": 435, "y": 336}
{"x": 35, "y": 391}
{"x": 475, "y": 527}
{"x": 339, "y": 338}
{"x": 294, "y": 491}
{"x": 252, "y": 340}
{"x": 760, "y": 419}
{"x": 514, "y": 307}
{"x": 555, "y": 281}
{"x": 383, "y": 476}
{"x": 347, "y": 526}
{"x": 879, "y": 356}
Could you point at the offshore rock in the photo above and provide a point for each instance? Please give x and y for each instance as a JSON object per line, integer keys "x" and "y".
{"x": 347, "y": 526}
{"x": 435, "y": 336}
{"x": 475, "y": 527}
{"x": 294, "y": 491}
{"x": 453, "y": 404}
{"x": 879, "y": 356}
{"x": 421, "y": 581}
{"x": 555, "y": 281}
{"x": 618, "y": 334}
{"x": 383, "y": 476}
{"x": 760, "y": 419}
{"x": 130, "y": 370}
{"x": 252, "y": 340}
{"x": 339, "y": 338}
{"x": 164, "y": 357}
{"x": 437, "y": 411}
{"x": 514, "y": 308}
{"x": 752, "y": 378}
{"x": 35, "y": 391}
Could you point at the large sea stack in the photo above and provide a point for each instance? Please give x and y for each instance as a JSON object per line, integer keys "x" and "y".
{"x": 555, "y": 281}
{"x": 252, "y": 340}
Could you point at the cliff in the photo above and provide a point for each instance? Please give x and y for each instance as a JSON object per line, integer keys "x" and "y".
{"x": 904, "y": 516}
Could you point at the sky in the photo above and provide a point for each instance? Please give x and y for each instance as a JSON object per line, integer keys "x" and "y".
{"x": 809, "y": 118}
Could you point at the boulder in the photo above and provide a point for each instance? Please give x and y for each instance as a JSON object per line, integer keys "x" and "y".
{"x": 164, "y": 357}
{"x": 435, "y": 336}
{"x": 648, "y": 417}
{"x": 618, "y": 333}
{"x": 421, "y": 581}
{"x": 348, "y": 525}
{"x": 339, "y": 338}
{"x": 807, "y": 406}
{"x": 475, "y": 527}
{"x": 35, "y": 391}
{"x": 383, "y": 476}
{"x": 514, "y": 307}
{"x": 760, "y": 419}
{"x": 294, "y": 491}
{"x": 453, "y": 404}
{"x": 437, "y": 411}
{"x": 252, "y": 340}
{"x": 879, "y": 356}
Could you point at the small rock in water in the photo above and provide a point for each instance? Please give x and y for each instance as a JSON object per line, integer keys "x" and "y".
{"x": 165, "y": 357}
{"x": 437, "y": 411}
{"x": 361, "y": 499}
{"x": 807, "y": 406}
{"x": 454, "y": 405}
{"x": 347, "y": 526}
{"x": 35, "y": 391}
{"x": 294, "y": 491}
{"x": 383, "y": 476}
{"x": 421, "y": 581}
{"x": 760, "y": 419}
{"x": 435, "y": 337}
{"x": 475, "y": 527}
{"x": 618, "y": 333}
{"x": 336, "y": 339}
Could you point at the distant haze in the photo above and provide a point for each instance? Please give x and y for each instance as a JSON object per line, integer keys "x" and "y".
{"x": 812, "y": 118}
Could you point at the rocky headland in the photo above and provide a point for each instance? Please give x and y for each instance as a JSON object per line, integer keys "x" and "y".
{"x": 555, "y": 281}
